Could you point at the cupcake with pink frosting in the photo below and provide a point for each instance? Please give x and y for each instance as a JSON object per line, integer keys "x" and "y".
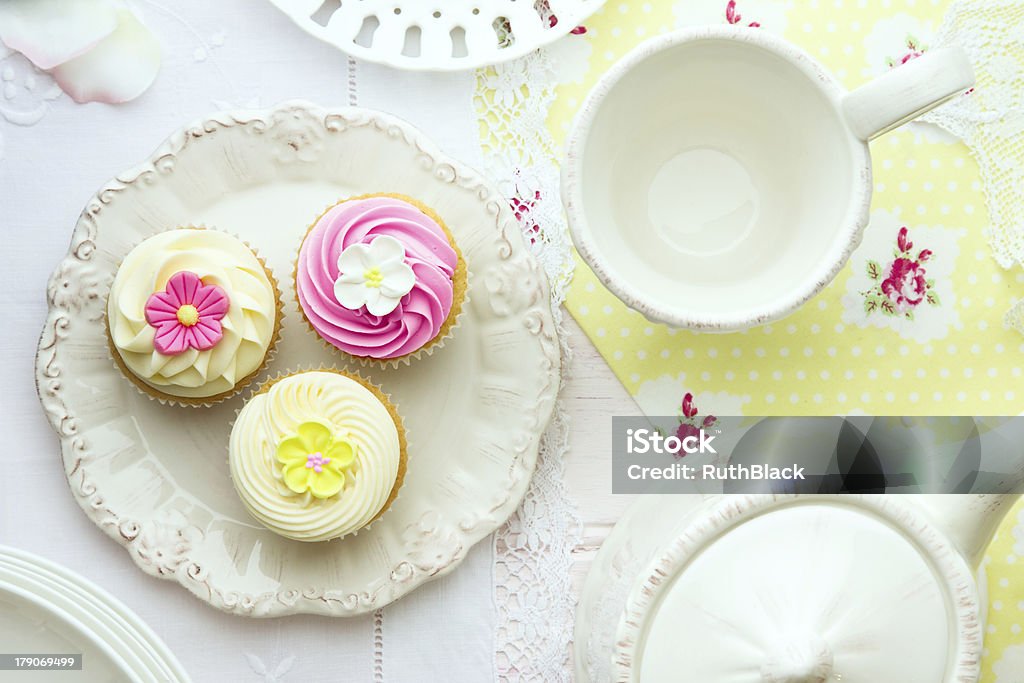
{"x": 380, "y": 278}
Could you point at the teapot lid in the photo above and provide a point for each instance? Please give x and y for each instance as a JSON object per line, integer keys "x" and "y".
{"x": 809, "y": 589}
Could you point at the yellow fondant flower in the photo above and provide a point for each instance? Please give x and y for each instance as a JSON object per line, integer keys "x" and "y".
{"x": 314, "y": 459}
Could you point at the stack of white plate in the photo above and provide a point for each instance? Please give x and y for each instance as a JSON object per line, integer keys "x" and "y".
{"x": 46, "y": 609}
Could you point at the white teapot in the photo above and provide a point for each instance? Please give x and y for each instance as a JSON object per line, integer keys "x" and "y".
{"x": 792, "y": 589}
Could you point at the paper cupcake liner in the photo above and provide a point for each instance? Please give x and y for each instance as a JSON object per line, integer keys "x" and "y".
{"x": 165, "y": 398}
{"x": 386, "y": 401}
{"x": 460, "y": 291}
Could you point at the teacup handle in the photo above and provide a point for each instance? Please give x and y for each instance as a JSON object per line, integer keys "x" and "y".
{"x": 908, "y": 91}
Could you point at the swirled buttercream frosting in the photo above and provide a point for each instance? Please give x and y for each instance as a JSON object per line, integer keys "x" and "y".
{"x": 377, "y": 277}
{"x": 316, "y": 455}
{"x": 192, "y": 314}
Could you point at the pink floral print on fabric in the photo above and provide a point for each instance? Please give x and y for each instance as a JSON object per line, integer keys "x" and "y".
{"x": 733, "y": 16}
{"x": 690, "y": 423}
{"x": 903, "y": 284}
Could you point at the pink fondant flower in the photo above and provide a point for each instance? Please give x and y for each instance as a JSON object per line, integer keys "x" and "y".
{"x": 186, "y": 314}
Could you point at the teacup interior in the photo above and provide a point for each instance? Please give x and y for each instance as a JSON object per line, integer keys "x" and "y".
{"x": 717, "y": 177}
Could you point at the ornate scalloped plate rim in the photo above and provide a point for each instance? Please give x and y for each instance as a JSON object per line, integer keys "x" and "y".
{"x": 405, "y": 575}
{"x": 585, "y": 8}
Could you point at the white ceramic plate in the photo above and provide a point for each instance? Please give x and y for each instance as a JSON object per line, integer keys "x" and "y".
{"x": 438, "y": 35}
{"x": 155, "y": 478}
{"x": 46, "y": 609}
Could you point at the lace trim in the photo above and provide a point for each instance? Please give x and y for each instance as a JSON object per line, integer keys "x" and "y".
{"x": 533, "y": 550}
{"x": 990, "y": 119}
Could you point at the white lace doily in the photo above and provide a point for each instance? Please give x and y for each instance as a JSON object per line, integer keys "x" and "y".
{"x": 533, "y": 551}
{"x": 990, "y": 118}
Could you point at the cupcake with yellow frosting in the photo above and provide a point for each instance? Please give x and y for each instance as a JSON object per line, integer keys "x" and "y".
{"x": 193, "y": 315}
{"x": 317, "y": 455}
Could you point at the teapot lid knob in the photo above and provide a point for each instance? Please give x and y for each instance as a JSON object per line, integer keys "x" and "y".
{"x": 800, "y": 660}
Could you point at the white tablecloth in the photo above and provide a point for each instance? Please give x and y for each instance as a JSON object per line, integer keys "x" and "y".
{"x": 54, "y": 154}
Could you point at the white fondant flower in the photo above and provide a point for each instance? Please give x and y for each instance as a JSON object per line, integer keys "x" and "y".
{"x": 374, "y": 275}
{"x": 96, "y": 50}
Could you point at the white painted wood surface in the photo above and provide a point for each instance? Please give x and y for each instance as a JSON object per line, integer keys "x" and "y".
{"x": 592, "y": 395}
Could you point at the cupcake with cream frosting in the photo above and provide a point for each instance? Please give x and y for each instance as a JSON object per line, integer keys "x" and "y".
{"x": 192, "y": 315}
{"x": 317, "y": 455}
{"x": 380, "y": 277}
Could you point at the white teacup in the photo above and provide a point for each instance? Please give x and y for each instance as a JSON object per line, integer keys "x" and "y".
{"x": 717, "y": 178}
